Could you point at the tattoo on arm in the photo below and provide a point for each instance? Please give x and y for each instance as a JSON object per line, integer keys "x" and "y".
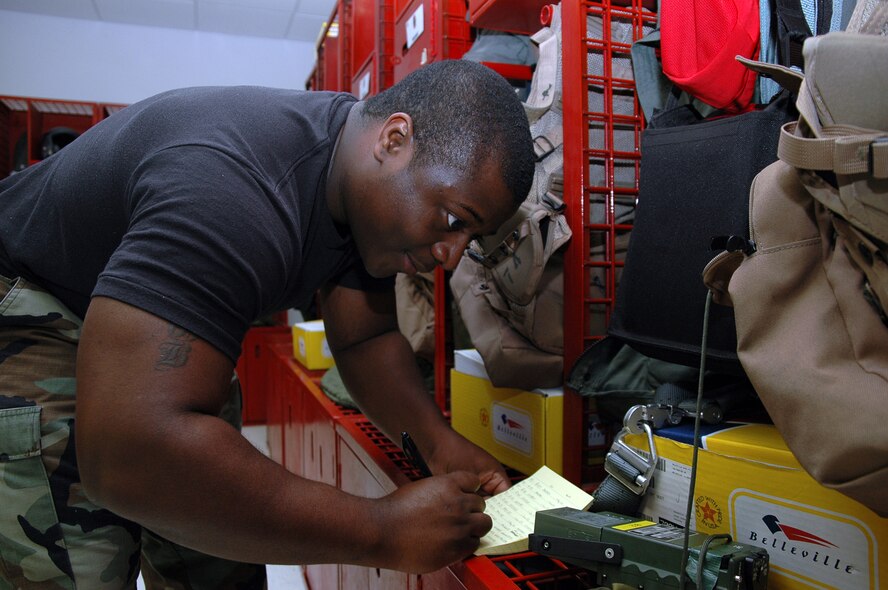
{"x": 174, "y": 350}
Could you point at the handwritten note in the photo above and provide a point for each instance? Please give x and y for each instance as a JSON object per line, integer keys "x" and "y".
{"x": 514, "y": 510}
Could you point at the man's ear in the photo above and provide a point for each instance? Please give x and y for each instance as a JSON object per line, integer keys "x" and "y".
{"x": 395, "y": 137}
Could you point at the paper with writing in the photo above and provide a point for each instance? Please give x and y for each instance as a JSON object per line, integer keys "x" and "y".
{"x": 514, "y": 510}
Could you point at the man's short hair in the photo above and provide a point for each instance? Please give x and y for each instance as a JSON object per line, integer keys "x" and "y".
{"x": 464, "y": 115}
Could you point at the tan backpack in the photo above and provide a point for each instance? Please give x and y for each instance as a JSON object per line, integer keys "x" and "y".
{"x": 809, "y": 294}
{"x": 509, "y": 287}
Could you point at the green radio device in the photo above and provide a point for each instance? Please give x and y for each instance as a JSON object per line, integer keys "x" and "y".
{"x": 646, "y": 555}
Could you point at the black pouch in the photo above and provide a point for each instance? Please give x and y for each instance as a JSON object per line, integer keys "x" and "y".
{"x": 694, "y": 186}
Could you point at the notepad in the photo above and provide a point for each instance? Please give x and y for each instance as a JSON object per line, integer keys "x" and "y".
{"x": 513, "y": 511}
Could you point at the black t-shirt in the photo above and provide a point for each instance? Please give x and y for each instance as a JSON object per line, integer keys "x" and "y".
{"x": 203, "y": 206}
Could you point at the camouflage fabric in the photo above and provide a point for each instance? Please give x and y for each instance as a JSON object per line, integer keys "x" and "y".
{"x": 51, "y": 535}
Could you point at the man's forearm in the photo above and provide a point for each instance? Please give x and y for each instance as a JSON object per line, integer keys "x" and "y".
{"x": 200, "y": 483}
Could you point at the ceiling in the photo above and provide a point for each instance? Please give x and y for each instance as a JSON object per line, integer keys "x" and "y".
{"x": 298, "y": 20}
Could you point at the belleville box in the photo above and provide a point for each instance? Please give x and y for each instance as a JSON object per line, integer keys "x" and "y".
{"x": 751, "y": 486}
{"x": 522, "y": 429}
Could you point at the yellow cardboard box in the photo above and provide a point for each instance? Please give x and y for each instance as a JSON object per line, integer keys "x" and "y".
{"x": 522, "y": 429}
{"x": 751, "y": 486}
{"x": 310, "y": 345}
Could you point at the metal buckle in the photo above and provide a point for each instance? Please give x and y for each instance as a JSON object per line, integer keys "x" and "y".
{"x": 491, "y": 259}
{"x": 621, "y": 454}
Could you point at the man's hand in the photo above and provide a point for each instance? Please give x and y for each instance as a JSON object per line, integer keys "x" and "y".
{"x": 379, "y": 369}
{"x": 432, "y": 522}
{"x": 456, "y": 453}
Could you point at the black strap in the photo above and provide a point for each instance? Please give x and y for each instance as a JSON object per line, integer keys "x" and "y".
{"x": 824, "y": 16}
{"x": 793, "y": 29}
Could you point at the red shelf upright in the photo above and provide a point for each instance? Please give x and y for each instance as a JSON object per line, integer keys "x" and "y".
{"x": 253, "y": 370}
{"x": 371, "y": 24}
{"x": 330, "y": 50}
{"x": 600, "y": 182}
{"x": 428, "y": 31}
{"x": 443, "y": 340}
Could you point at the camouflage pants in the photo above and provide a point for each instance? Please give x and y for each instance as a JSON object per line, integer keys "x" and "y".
{"x": 51, "y": 535}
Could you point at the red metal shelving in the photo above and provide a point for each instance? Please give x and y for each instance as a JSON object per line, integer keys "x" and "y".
{"x": 595, "y": 190}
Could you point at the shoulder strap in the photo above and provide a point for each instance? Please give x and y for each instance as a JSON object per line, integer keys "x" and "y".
{"x": 792, "y": 30}
{"x": 824, "y": 16}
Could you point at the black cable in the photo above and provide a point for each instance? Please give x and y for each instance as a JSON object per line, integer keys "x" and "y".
{"x": 682, "y": 580}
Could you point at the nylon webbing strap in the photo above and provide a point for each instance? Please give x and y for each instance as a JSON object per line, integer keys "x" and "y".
{"x": 843, "y": 149}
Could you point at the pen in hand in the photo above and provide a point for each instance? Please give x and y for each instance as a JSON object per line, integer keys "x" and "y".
{"x": 414, "y": 455}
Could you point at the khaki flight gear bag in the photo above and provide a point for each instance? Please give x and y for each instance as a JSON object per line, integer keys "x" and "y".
{"x": 810, "y": 288}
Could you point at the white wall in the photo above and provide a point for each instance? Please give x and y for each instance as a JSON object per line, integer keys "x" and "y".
{"x": 72, "y": 59}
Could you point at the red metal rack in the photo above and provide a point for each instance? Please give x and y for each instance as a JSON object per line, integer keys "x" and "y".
{"x": 600, "y": 179}
{"x": 595, "y": 185}
{"x": 592, "y": 194}
{"x": 13, "y": 127}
